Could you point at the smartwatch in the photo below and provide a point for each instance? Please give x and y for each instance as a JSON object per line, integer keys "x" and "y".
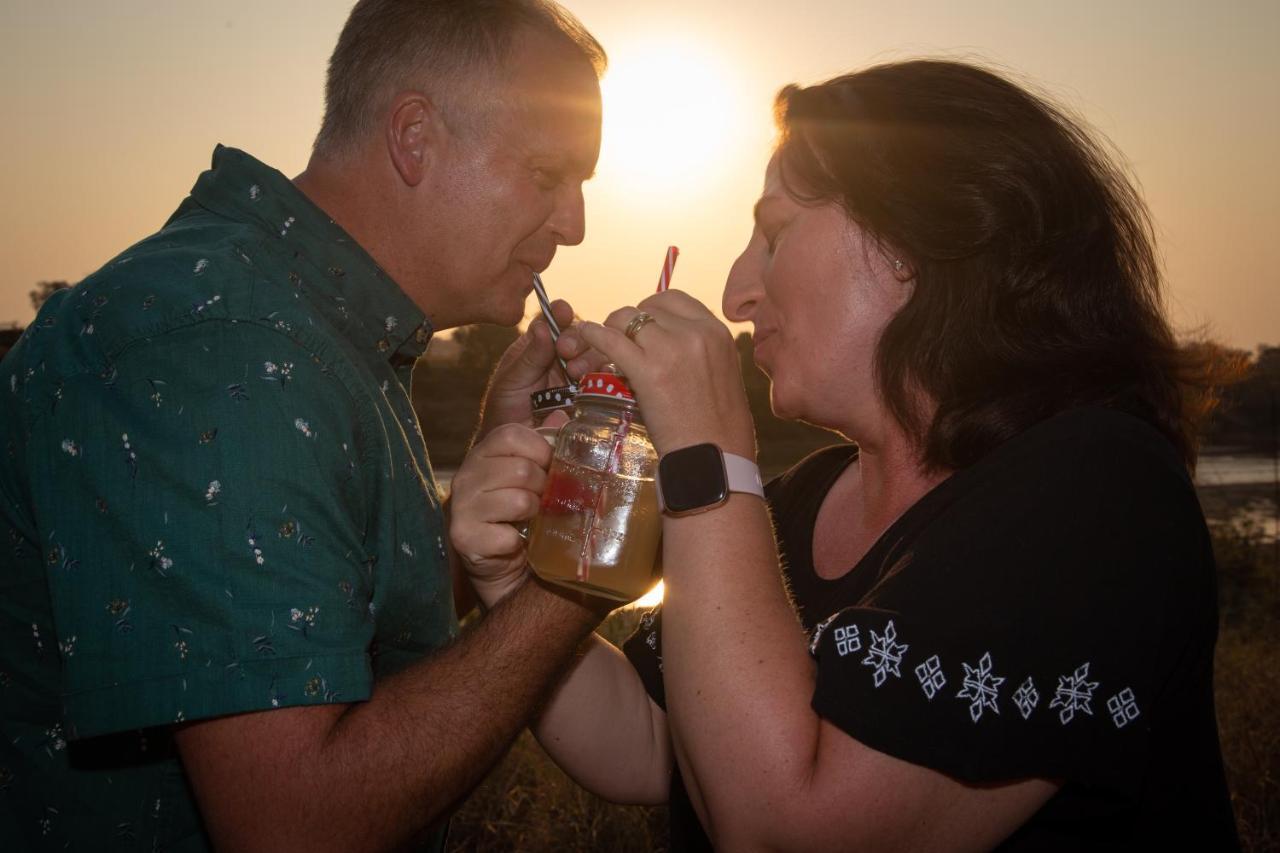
{"x": 698, "y": 478}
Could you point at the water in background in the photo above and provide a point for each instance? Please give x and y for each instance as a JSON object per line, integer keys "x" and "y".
{"x": 1234, "y": 470}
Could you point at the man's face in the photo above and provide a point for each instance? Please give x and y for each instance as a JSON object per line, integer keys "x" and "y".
{"x": 502, "y": 198}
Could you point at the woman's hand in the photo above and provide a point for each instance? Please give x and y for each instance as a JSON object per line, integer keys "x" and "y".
{"x": 684, "y": 369}
{"x": 496, "y": 490}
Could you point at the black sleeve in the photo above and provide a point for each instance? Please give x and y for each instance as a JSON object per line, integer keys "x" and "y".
{"x": 644, "y": 649}
{"x": 1035, "y": 627}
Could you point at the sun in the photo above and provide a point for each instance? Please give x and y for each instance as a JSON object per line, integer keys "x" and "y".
{"x": 670, "y": 111}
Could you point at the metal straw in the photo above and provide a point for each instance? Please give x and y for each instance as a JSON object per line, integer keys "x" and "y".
{"x": 545, "y": 303}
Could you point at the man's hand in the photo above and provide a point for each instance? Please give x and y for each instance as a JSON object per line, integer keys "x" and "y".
{"x": 530, "y": 364}
{"x": 497, "y": 488}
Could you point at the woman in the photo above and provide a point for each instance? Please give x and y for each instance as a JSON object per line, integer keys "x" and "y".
{"x": 1004, "y": 585}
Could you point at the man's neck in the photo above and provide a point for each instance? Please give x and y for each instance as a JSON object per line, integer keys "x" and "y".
{"x": 349, "y": 193}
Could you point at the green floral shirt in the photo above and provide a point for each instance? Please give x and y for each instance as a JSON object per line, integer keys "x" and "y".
{"x": 214, "y": 498}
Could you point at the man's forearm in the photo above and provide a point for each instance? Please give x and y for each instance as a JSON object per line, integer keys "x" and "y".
{"x": 384, "y": 770}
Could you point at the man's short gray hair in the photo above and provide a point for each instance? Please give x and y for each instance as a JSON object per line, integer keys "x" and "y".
{"x": 441, "y": 47}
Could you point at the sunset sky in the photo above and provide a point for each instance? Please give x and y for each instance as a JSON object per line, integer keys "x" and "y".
{"x": 111, "y": 110}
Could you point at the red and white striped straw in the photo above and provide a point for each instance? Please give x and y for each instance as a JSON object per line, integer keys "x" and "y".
{"x": 668, "y": 267}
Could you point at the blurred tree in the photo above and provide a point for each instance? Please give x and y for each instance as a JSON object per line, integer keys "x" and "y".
{"x": 44, "y": 290}
{"x": 482, "y": 345}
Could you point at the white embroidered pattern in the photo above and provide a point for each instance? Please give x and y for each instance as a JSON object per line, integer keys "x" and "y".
{"x": 1123, "y": 707}
{"x": 1074, "y": 693}
{"x": 848, "y": 639}
{"x": 1026, "y": 698}
{"x": 885, "y": 654}
{"x": 930, "y": 676}
{"x": 981, "y": 687}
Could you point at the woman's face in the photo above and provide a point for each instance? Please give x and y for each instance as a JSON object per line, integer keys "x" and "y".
{"x": 819, "y": 292}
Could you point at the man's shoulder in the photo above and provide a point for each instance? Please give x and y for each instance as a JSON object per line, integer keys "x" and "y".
{"x": 200, "y": 267}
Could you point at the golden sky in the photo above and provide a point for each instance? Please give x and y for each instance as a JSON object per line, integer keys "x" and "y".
{"x": 110, "y": 110}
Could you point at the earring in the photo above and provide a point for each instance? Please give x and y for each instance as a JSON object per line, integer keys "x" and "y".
{"x": 898, "y": 265}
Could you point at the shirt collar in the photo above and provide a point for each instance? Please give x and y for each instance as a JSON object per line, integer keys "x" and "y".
{"x": 386, "y": 320}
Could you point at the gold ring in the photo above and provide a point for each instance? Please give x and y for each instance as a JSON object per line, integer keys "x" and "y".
{"x": 637, "y": 323}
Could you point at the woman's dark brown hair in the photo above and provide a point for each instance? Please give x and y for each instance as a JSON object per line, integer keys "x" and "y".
{"x": 1036, "y": 284}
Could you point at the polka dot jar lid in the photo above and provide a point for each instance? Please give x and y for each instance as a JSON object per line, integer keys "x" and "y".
{"x": 549, "y": 399}
{"x": 610, "y": 386}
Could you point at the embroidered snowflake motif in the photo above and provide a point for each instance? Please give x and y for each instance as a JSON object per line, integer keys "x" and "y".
{"x": 407, "y": 549}
{"x": 885, "y": 654}
{"x": 288, "y": 223}
{"x": 1123, "y": 707}
{"x": 981, "y": 687}
{"x": 70, "y": 447}
{"x": 68, "y": 646}
{"x": 930, "y": 676}
{"x": 304, "y": 428}
{"x": 1074, "y": 693}
{"x": 255, "y": 192}
{"x": 211, "y": 493}
{"x": 1026, "y": 698}
{"x": 201, "y": 266}
{"x": 389, "y": 324}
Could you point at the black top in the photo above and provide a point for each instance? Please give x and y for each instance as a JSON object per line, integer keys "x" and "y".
{"x": 1048, "y": 612}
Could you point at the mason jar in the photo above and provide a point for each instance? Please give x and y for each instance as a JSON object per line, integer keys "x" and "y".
{"x": 598, "y": 528}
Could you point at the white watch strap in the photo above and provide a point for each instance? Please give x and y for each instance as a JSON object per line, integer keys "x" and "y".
{"x": 742, "y": 475}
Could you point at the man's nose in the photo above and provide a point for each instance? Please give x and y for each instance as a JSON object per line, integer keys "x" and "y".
{"x": 569, "y": 219}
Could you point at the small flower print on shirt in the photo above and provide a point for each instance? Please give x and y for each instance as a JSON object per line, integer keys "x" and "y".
{"x": 254, "y": 545}
{"x": 160, "y": 563}
{"x": 70, "y": 448}
{"x": 273, "y": 372}
{"x": 119, "y": 609}
{"x": 201, "y": 266}
{"x": 303, "y": 620}
{"x": 180, "y": 644}
{"x": 211, "y": 493}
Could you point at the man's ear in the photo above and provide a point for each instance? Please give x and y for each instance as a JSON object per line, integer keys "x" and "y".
{"x": 413, "y": 131}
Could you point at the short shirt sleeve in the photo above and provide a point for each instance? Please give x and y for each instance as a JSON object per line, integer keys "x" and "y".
{"x": 1036, "y": 626}
{"x": 206, "y": 523}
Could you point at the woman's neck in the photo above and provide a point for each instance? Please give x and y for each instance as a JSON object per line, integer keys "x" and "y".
{"x": 886, "y": 480}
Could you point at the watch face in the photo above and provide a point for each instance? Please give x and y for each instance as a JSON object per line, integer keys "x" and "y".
{"x": 692, "y": 478}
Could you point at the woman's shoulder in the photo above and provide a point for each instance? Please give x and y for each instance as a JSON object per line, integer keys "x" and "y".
{"x": 1090, "y": 447}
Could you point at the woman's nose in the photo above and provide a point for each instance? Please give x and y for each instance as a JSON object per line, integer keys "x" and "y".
{"x": 743, "y": 289}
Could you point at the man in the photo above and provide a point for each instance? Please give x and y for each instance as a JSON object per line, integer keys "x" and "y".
{"x": 226, "y": 615}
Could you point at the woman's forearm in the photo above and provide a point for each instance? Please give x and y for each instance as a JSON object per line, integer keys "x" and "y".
{"x": 739, "y": 679}
{"x": 603, "y": 730}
